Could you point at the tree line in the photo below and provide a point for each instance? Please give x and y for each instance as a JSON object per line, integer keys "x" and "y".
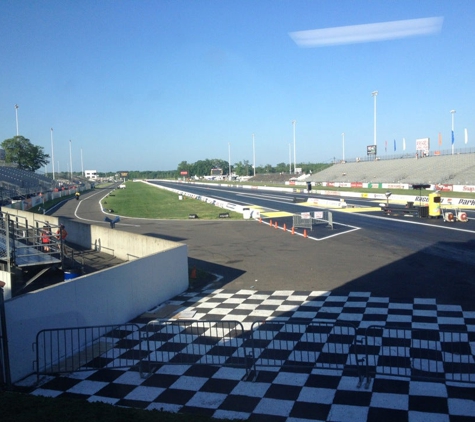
{"x": 21, "y": 152}
{"x": 243, "y": 168}
{"x": 26, "y": 156}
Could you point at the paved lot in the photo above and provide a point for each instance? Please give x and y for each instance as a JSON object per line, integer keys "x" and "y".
{"x": 252, "y": 255}
{"x": 269, "y": 274}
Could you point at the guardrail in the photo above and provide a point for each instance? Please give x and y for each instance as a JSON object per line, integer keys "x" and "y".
{"x": 425, "y": 354}
{"x": 440, "y": 355}
{"x": 305, "y": 344}
{"x": 77, "y": 349}
{"x": 191, "y": 342}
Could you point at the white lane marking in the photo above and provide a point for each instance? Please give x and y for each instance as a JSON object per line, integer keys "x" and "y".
{"x": 356, "y": 214}
{"x": 102, "y": 210}
{"x": 354, "y": 228}
{"x": 413, "y": 222}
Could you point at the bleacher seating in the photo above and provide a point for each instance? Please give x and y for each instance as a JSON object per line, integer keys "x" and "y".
{"x": 456, "y": 169}
{"x": 451, "y": 169}
{"x": 16, "y": 182}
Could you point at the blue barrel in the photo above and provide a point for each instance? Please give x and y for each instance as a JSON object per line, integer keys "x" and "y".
{"x": 70, "y": 274}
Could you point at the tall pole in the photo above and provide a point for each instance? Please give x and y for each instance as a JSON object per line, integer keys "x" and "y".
{"x": 374, "y": 94}
{"x": 295, "y": 154}
{"x": 52, "y": 151}
{"x": 16, "y": 118}
{"x": 453, "y": 137}
{"x": 290, "y": 159}
{"x": 253, "y": 155}
{"x": 229, "y": 157}
{"x": 343, "y": 136}
{"x": 82, "y": 166}
{"x": 70, "y": 161}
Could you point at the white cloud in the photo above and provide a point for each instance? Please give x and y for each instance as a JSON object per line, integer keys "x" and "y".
{"x": 371, "y": 32}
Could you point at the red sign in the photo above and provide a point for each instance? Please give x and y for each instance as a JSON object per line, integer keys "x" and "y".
{"x": 184, "y": 173}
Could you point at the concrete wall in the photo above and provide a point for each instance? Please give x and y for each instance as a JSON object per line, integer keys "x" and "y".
{"x": 157, "y": 270}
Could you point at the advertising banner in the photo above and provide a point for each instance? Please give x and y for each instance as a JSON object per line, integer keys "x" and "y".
{"x": 423, "y": 144}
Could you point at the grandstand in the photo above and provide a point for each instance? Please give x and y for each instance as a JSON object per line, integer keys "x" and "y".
{"x": 445, "y": 169}
{"x": 458, "y": 169}
{"x": 16, "y": 183}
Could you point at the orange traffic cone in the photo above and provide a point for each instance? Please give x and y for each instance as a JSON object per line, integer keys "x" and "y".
{"x": 285, "y": 227}
{"x": 305, "y": 233}
{"x": 270, "y": 223}
{"x": 275, "y": 225}
{"x": 293, "y": 230}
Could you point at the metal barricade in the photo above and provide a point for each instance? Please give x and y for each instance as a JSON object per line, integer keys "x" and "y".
{"x": 193, "y": 342}
{"x": 307, "y": 344}
{"x": 64, "y": 350}
{"x": 307, "y": 220}
{"x": 419, "y": 353}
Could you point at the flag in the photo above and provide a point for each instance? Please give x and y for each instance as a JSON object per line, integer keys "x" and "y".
{"x": 394, "y": 145}
{"x": 466, "y": 136}
{"x": 440, "y": 139}
{"x": 385, "y": 146}
{"x": 453, "y": 138}
{"x": 404, "y": 144}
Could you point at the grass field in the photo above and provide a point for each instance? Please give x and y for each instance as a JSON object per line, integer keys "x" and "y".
{"x": 144, "y": 201}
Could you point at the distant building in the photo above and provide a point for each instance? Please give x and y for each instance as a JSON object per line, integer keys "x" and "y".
{"x": 91, "y": 174}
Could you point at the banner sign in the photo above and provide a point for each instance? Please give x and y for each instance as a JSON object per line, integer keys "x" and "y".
{"x": 371, "y": 150}
{"x": 423, "y": 144}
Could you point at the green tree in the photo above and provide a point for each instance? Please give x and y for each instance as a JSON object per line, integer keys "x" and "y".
{"x": 20, "y": 151}
{"x": 282, "y": 168}
{"x": 184, "y": 166}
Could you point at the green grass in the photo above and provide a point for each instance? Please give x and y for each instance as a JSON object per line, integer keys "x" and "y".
{"x": 144, "y": 201}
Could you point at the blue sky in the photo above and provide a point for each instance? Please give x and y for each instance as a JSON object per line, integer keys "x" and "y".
{"x": 144, "y": 85}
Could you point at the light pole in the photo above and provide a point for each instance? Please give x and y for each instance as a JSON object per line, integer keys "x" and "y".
{"x": 229, "y": 157}
{"x": 290, "y": 158}
{"x": 70, "y": 161}
{"x": 343, "y": 136}
{"x": 16, "y": 118}
{"x": 253, "y": 155}
{"x": 374, "y": 94}
{"x": 82, "y": 165}
{"x": 52, "y": 151}
{"x": 453, "y": 138}
{"x": 295, "y": 154}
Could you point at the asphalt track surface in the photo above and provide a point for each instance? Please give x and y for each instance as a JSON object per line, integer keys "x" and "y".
{"x": 396, "y": 257}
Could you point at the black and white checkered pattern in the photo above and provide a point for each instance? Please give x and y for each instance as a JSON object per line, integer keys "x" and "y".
{"x": 299, "y": 393}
